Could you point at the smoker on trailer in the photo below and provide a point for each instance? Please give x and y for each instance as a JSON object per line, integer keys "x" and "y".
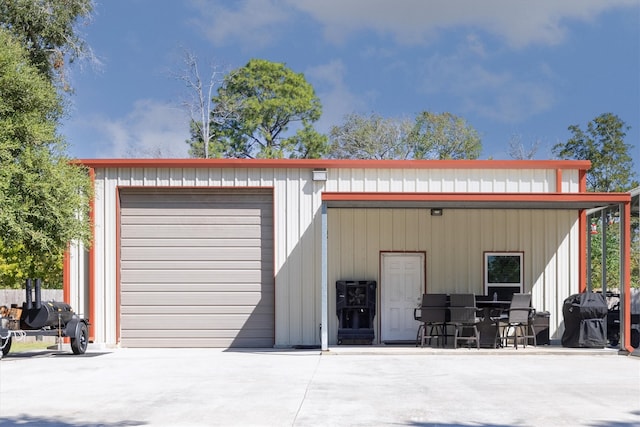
{"x": 35, "y": 318}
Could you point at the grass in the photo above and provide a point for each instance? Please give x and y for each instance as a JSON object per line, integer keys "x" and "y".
{"x": 22, "y": 346}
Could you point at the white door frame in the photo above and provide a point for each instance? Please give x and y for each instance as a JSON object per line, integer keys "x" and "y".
{"x": 406, "y": 299}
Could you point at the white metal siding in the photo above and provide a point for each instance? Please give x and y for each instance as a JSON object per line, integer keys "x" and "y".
{"x": 450, "y": 180}
{"x": 197, "y": 268}
{"x": 296, "y": 204}
{"x": 454, "y": 244}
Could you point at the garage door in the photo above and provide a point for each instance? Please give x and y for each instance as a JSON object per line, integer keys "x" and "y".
{"x": 196, "y": 268}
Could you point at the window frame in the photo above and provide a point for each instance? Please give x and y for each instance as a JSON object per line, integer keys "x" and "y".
{"x": 485, "y": 266}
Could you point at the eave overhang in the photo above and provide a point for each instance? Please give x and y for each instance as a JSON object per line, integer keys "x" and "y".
{"x": 571, "y": 201}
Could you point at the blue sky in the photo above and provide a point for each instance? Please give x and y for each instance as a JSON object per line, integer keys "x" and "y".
{"x": 511, "y": 68}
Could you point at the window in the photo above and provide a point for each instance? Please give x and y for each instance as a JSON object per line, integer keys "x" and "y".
{"x": 503, "y": 274}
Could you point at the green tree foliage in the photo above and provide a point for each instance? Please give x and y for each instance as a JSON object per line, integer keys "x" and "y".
{"x": 46, "y": 29}
{"x": 370, "y": 137}
{"x": 429, "y": 136}
{"x": 603, "y": 144}
{"x": 612, "y": 244}
{"x": 13, "y": 273}
{"x": 43, "y": 196}
{"x": 444, "y": 136}
{"x": 254, "y": 109}
{"x": 612, "y": 170}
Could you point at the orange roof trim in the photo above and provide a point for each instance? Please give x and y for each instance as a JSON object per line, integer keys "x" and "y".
{"x": 477, "y": 197}
{"x": 337, "y": 163}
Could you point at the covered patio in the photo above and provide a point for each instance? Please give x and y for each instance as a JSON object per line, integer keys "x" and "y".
{"x": 491, "y": 202}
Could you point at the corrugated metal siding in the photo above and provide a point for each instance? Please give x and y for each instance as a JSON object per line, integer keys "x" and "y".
{"x": 449, "y": 180}
{"x": 197, "y": 268}
{"x": 297, "y": 201}
{"x": 454, "y": 244}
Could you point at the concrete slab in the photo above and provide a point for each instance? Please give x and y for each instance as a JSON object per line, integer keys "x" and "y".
{"x": 346, "y": 386}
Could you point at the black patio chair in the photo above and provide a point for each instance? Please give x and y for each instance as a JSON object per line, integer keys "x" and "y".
{"x": 464, "y": 317}
{"x": 519, "y": 320}
{"x": 432, "y": 314}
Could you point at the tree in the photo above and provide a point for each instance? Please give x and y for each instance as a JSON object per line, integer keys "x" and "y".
{"x": 200, "y": 107}
{"x": 372, "y": 137}
{"x": 518, "y": 151}
{"x": 612, "y": 244}
{"x": 611, "y": 170}
{"x": 266, "y": 98}
{"x": 44, "y": 197}
{"x": 46, "y": 29}
{"x": 444, "y": 136}
{"x": 430, "y": 136}
{"x": 603, "y": 144}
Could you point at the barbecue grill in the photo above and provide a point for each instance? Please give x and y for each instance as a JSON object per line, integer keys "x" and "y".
{"x": 37, "y": 318}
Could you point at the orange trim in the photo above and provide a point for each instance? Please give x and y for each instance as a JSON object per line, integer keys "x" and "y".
{"x": 627, "y": 277}
{"x": 479, "y": 197}
{"x": 66, "y": 276}
{"x": 558, "y": 180}
{"x": 118, "y": 287}
{"x": 66, "y": 280}
{"x": 337, "y": 163}
{"x": 273, "y": 260}
{"x": 92, "y": 263}
{"x": 582, "y": 178}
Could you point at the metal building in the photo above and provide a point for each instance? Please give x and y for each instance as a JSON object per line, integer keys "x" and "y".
{"x": 247, "y": 253}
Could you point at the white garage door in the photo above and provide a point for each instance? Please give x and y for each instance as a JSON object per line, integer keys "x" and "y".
{"x": 196, "y": 268}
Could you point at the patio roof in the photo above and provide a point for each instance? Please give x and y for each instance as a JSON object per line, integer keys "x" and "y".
{"x": 474, "y": 200}
{"x": 590, "y": 202}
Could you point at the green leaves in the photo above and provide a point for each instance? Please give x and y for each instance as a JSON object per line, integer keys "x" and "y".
{"x": 45, "y": 29}
{"x": 603, "y": 144}
{"x": 430, "y": 136}
{"x": 444, "y": 136}
{"x": 44, "y": 198}
{"x": 265, "y": 110}
{"x": 371, "y": 137}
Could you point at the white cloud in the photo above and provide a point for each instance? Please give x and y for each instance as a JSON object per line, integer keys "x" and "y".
{"x": 253, "y": 23}
{"x": 497, "y": 95}
{"x": 151, "y": 129}
{"x": 336, "y": 98}
{"x": 518, "y": 23}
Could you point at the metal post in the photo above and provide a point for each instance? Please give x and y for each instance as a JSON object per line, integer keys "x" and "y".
{"x": 589, "y": 266}
{"x": 603, "y": 219}
{"x": 324, "y": 328}
{"x": 622, "y": 285}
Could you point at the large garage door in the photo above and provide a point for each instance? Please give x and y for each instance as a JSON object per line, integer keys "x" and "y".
{"x": 196, "y": 268}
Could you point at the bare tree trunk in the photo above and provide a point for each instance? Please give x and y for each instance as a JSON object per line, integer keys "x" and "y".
{"x": 199, "y": 103}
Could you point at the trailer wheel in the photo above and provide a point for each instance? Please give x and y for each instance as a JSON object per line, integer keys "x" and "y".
{"x": 5, "y": 344}
{"x": 81, "y": 339}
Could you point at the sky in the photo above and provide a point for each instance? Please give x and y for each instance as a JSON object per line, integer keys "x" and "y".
{"x": 514, "y": 70}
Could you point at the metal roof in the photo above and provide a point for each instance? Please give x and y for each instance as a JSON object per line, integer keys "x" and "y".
{"x": 572, "y": 201}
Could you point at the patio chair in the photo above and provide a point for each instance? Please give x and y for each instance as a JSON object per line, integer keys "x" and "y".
{"x": 432, "y": 314}
{"x": 464, "y": 317}
{"x": 518, "y": 320}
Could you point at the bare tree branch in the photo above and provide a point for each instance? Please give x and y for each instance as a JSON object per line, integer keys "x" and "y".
{"x": 518, "y": 151}
{"x": 199, "y": 103}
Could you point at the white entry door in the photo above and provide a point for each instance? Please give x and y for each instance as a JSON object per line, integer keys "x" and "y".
{"x": 401, "y": 291}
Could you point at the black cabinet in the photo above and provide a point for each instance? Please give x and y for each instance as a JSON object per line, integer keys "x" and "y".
{"x": 541, "y": 326}
{"x": 356, "y": 309}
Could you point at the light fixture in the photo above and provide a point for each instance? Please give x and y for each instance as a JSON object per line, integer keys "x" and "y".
{"x": 436, "y": 212}
{"x": 319, "y": 174}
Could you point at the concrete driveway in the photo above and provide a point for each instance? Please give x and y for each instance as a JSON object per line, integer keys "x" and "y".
{"x": 344, "y": 387}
